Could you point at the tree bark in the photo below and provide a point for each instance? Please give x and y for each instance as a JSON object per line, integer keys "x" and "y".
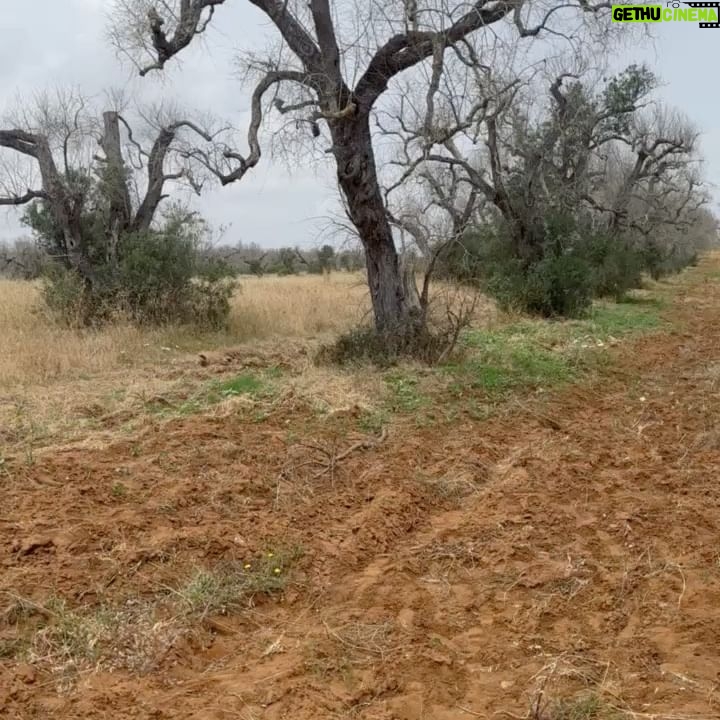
{"x": 116, "y": 184}
{"x": 394, "y": 312}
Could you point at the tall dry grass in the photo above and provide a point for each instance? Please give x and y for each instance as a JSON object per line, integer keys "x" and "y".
{"x": 301, "y": 306}
{"x": 35, "y": 350}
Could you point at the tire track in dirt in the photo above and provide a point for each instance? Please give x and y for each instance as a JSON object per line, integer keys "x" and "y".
{"x": 574, "y": 559}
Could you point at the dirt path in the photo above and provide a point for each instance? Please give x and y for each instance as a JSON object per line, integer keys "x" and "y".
{"x": 464, "y": 570}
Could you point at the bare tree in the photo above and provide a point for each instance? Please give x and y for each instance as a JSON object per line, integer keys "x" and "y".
{"x": 58, "y": 138}
{"x": 526, "y": 156}
{"x": 336, "y": 60}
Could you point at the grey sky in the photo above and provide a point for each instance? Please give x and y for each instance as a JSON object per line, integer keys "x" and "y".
{"x": 47, "y": 43}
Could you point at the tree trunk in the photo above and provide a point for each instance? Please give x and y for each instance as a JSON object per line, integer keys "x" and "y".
{"x": 115, "y": 178}
{"x": 395, "y": 314}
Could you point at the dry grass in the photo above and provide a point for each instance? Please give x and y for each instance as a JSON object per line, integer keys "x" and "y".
{"x": 34, "y": 350}
{"x": 37, "y": 351}
{"x": 59, "y": 385}
{"x": 298, "y": 306}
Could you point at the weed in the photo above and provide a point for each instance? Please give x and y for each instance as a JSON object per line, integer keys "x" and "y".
{"x": 451, "y": 486}
{"x": 246, "y": 384}
{"x": 404, "y": 394}
{"x": 11, "y": 648}
{"x": 231, "y": 586}
{"x": 372, "y": 421}
{"x": 71, "y": 634}
{"x": 119, "y": 490}
{"x": 211, "y": 394}
{"x": 129, "y": 636}
{"x": 587, "y": 707}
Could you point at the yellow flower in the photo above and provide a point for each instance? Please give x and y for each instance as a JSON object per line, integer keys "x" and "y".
{"x": 277, "y": 571}
{"x": 271, "y": 555}
{"x": 248, "y": 566}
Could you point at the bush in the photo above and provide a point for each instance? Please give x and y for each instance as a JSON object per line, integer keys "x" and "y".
{"x": 428, "y": 341}
{"x": 617, "y": 265}
{"x": 556, "y": 285}
{"x": 65, "y": 296}
{"x": 158, "y": 278}
{"x": 366, "y": 345}
{"x": 555, "y": 279}
{"x": 470, "y": 258}
{"x": 568, "y": 264}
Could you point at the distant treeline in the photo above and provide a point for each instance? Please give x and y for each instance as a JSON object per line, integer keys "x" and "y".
{"x": 24, "y": 259}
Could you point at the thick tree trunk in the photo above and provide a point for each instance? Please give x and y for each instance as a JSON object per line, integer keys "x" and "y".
{"x": 395, "y": 313}
{"x": 156, "y": 180}
{"x": 115, "y": 177}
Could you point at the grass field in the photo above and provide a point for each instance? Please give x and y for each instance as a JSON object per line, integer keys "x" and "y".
{"x": 35, "y": 350}
{"x": 529, "y": 529}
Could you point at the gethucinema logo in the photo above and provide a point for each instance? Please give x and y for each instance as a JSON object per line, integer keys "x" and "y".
{"x": 706, "y": 14}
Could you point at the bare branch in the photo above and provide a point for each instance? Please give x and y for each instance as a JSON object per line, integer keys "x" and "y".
{"x": 189, "y": 24}
{"x": 24, "y": 199}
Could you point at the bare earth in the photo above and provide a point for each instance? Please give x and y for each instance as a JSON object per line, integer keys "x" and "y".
{"x": 573, "y": 548}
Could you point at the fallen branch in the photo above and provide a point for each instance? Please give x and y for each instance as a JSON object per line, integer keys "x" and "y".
{"x": 333, "y": 458}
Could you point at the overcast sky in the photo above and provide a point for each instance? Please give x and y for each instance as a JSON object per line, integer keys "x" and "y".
{"x": 48, "y": 43}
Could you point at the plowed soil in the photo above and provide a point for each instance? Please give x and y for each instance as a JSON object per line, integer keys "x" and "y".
{"x": 468, "y": 569}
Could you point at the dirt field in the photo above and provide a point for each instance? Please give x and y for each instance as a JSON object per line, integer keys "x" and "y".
{"x": 557, "y": 557}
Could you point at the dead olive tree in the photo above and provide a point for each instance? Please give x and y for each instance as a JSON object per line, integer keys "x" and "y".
{"x": 567, "y": 173}
{"x": 93, "y": 186}
{"x": 59, "y": 151}
{"x": 336, "y": 61}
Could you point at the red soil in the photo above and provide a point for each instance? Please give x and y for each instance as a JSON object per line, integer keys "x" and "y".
{"x": 578, "y": 550}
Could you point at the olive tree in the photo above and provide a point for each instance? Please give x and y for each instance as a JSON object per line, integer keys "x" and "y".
{"x": 57, "y": 152}
{"x": 335, "y": 60}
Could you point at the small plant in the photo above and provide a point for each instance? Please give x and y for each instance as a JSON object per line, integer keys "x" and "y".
{"x": 234, "y": 585}
{"x": 587, "y": 707}
{"x": 130, "y": 636}
{"x": 384, "y": 349}
{"x": 152, "y": 277}
{"x": 119, "y": 490}
{"x": 404, "y": 395}
{"x": 372, "y": 421}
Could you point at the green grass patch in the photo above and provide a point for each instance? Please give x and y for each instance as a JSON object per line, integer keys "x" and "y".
{"x": 508, "y": 358}
{"x": 404, "y": 393}
{"x": 246, "y": 384}
{"x": 634, "y": 315}
{"x": 526, "y": 355}
{"x": 545, "y": 353}
{"x": 373, "y": 421}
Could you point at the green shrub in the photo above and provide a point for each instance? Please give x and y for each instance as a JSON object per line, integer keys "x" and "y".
{"x": 552, "y": 278}
{"x": 64, "y": 294}
{"x": 565, "y": 264}
{"x": 617, "y": 265}
{"x": 558, "y": 285}
{"x": 158, "y": 278}
{"x": 471, "y": 257}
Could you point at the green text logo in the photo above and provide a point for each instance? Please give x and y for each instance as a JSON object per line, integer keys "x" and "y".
{"x": 704, "y": 13}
